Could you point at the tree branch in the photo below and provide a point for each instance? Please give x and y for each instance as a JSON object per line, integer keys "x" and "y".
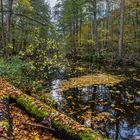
{"x": 39, "y": 125}
{"x": 26, "y": 16}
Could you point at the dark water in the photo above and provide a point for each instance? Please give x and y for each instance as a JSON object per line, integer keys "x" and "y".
{"x": 112, "y": 110}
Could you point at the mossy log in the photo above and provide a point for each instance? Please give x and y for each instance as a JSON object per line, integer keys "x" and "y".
{"x": 60, "y": 122}
{"x": 5, "y": 123}
{"x": 66, "y": 126}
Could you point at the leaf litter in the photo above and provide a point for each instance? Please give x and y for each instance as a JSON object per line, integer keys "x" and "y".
{"x": 27, "y": 132}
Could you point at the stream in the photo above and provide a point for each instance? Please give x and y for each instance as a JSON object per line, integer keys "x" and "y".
{"x": 112, "y": 110}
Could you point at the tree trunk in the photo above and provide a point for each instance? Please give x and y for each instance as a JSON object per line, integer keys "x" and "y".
{"x": 134, "y": 27}
{"x": 121, "y": 28}
{"x": 2, "y": 24}
{"x": 8, "y": 29}
{"x": 107, "y": 23}
{"x": 95, "y": 31}
{"x": 61, "y": 123}
{"x": 80, "y": 28}
{"x": 137, "y": 13}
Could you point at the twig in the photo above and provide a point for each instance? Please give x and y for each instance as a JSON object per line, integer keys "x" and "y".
{"x": 8, "y": 138}
{"x": 39, "y": 125}
{"x": 26, "y": 16}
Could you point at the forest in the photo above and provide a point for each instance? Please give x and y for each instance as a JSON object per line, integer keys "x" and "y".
{"x": 69, "y": 70}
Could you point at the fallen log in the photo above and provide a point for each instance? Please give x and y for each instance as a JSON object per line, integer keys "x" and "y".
{"x": 5, "y": 124}
{"x": 59, "y": 121}
{"x": 70, "y": 129}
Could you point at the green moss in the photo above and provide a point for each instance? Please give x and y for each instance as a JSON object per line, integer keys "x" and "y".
{"x": 91, "y": 136}
{"x": 60, "y": 121}
{"x": 5, "y": 125}
{"x": 31, "y": 108}
{"x": 63, "y": 127}
{"x": 47, "y": 99}
{"x": 87, "y": 134}
{"x": 4, "y": 97}
{"x": 38, "y": 113}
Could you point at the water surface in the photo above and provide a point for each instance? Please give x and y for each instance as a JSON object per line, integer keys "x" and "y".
{"x": 114, "y": 111}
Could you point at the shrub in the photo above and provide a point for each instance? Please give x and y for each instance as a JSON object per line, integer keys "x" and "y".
{"x": 118, "y": 62}
{"x": 13, "y": 70}
{"x": 137, "y": 63}
{"x": 101, "y": 58}
{"x": 19, "y": 73}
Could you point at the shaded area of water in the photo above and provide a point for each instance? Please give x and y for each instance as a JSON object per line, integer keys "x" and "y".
{"x": 112, "y": 110}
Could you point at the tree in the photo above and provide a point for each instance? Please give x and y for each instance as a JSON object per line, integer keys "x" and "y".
{"x": 95, "y": 30}
{"x": 2, "y": 25}
{"x": 122, "y": 6}
{"x": 8, "y": 27}
{"x": 107, "y": 22}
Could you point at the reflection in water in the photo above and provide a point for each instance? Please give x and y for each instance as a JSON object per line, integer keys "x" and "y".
{"x": 129, "y": 131}
{"x": 113, "y": 111}
{"x": 55, "y": 92}
{"x": 85, "y": 93}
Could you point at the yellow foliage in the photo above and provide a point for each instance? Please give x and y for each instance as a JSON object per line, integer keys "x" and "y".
{"x": 25, "y": 4}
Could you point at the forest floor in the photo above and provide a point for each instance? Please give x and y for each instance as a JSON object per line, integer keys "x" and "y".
{"x": 22, "y": 130}
{"x": 19, "y": 116}
{"x": 27, "y": 132}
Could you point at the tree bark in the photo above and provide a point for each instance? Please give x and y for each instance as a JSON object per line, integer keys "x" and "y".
{"x": 95, "y": 31}
{"x": 121, "y": 28}
{"x": 8, "y": 27}
{"x": 2, "y": 24}
{"x": 42, "y": 112}
{"x": 107, "y": 23}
